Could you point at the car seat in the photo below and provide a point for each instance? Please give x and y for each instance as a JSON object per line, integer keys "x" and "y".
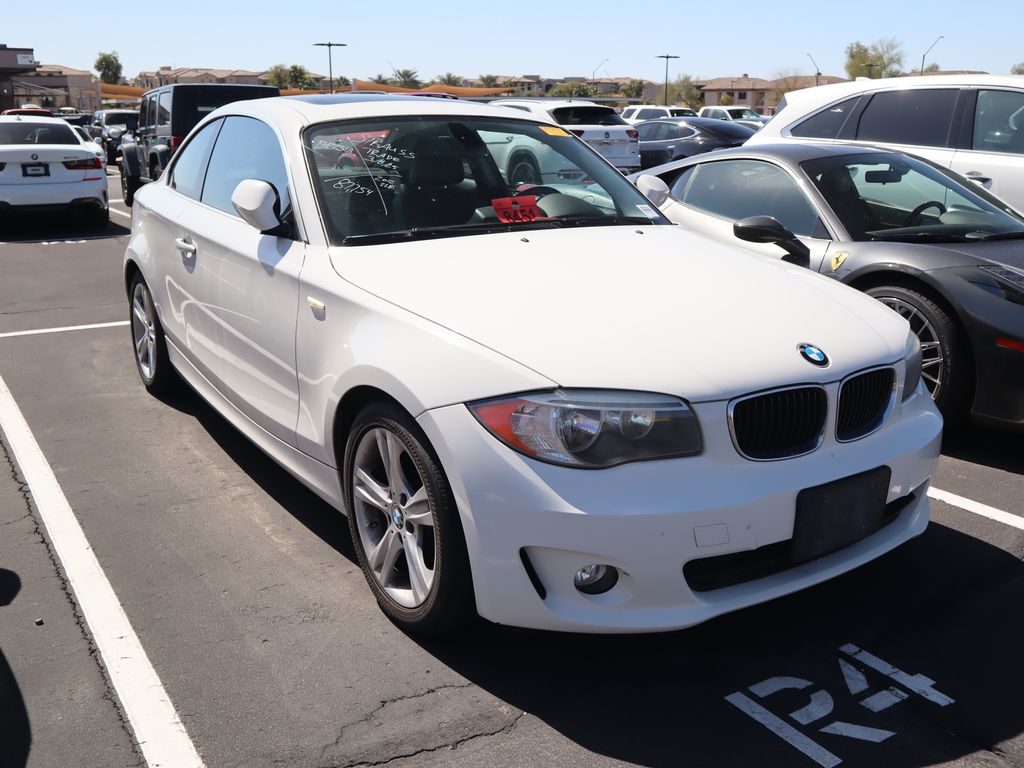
{"x": 432, "y": 193}
{"x": 841, "y": 193}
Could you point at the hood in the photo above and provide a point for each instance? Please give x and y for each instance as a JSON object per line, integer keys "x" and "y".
{"x": 654, "y": 308}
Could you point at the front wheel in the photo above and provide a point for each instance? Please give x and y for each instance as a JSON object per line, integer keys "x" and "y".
{"x": 148, "y": 342}
{"x": 945, "y": 350}
{"x": 523, "y": 170}
{"x": 405, "y": 525}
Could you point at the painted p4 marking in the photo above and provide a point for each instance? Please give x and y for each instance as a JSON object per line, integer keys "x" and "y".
{"x": 821, "y": 703}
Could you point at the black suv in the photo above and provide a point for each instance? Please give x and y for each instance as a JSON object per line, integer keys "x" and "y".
{"x": 166, "y": 116}
{"x": 110, "y": 125}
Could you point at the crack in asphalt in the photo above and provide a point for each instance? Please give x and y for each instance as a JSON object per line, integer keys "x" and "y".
{"x": 37, "y": 531}
{"x": 455, "y": 744}
{"x": 59, "y": 309}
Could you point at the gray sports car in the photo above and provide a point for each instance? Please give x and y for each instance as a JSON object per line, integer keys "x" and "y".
{"x": 938, "y": 249}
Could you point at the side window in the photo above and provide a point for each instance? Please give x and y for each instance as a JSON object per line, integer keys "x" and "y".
{"x": 678, "y": 187}
{"x": 649, "y": 114}
{"x": 245, "y": 149}
{"x": 190, "y": 167}
{"x": 999, "y": 122}
{"x": 646, "y": 131}
{"x": 735, "y": 189}
{"x": 163, "y": 112}
{"x": 826, "y": 124}
{"x": 628, "y": 112}
{"x": 685, "y": 132}
{"x": 150, "y": 112}
{"x": 920, "y": 117}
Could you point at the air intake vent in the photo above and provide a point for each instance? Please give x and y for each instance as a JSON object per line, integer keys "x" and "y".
{"x": 863, "y": 402}
{"x": 781, "y": 424}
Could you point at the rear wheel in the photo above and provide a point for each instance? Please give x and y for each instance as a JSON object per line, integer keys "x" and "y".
{"x": 404, "y": 523}
{"x": 97, "y": 218}
{"x": 945, "y": 350}
{"x": 148, "y": 341}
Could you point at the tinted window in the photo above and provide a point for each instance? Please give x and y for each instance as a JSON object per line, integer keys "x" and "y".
{"x": 735, "y": 189}
{"x": 150, "y": 117}
{"x": 628, "y": 112}
{"x": 128, "y": 119}
{"x": 729, "y": 131}
{"x": 682, "y": 112}
{"x": 587, "y": 116}
{"x": 246, "y": 149}
{"x": 648, "y": 114}
{"x": 647, "y": 131}
{"x": 826, "y": 124}
{"x": 678, "y": 186}
{"x": 999, "y": 122}
{"x": 163, "y": 111}
{"x": 187, "y": 174}
{"x": 920, "y": 117}
{"x": 37, "y": 133}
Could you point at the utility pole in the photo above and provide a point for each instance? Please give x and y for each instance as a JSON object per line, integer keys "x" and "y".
{"x": 330, "y": 63}
{"x": 817, "y": 70}
{"x": 666, "y": 57}
{"x": 593, "y": 75}
{"x": 929, "y": 51}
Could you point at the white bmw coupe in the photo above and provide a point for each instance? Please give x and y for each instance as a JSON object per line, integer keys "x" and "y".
{"x": 518, "y": 420}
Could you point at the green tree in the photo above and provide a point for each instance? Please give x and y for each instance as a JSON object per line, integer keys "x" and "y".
{"x": 725, "y": 100}
{"x": 407, "y": 78}
{"x": 684, "y": 90}
{"x": 488, "y": 81}
{"x": 575, "y": 88}
{"x": 109, "y": 67}
{"x": 342, "y": 82}
{"x": 277, "y": 76}
{"x": 450, "y": 78}
{"x": 298, "y": 76}
{"x": 380, "y": 79}
{"x": 1017, "y": 69}
{"x": 634, "y": 89}
{"x": 883, "y": 58}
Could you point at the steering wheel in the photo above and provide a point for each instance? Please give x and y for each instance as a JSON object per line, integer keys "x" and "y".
{"x": 537, "y": 190}
{"x": 916, "y": 213}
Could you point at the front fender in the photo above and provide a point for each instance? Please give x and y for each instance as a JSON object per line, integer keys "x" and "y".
{"x": 130, "y": 159}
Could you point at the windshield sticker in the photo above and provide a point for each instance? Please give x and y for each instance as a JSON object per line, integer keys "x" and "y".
{"x": 517, "y": 210}
{"x": 647, "y": 211}
{"x": 551, "y": 130}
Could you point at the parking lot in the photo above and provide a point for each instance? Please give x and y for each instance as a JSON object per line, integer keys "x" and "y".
{"x": 244, "y": 592}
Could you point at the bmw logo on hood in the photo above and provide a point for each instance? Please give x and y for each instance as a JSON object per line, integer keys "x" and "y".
{"x": 812, "y": 355}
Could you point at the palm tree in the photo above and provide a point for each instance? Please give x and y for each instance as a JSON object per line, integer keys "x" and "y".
{"x": 488, "y": 81}
{"x": 450, "y": 78}
{"x": 407, "y": 78}
{"x": 380, "y": 79}
{"x": 297, "y": 76}
{"x": 278, "y": 75}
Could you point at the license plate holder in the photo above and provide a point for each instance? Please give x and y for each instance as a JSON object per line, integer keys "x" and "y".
{"x": 837, "y": 514}
{"x": 35, "y": 169}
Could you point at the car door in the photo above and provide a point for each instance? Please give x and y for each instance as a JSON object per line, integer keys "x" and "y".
{"x": 254, "y": 279}
{"x": 178, "y": 280}
{"x": 995, "y": 156}
{"x": 710, "y": 197}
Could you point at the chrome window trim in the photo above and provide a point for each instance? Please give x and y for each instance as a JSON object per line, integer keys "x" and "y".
{"x": 888, "y": 409}
{"x": 736, "y": 401}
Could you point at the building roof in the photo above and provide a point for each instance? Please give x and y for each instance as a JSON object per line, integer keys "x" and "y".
{"x": 60, "y": 69}
{"x": 742, "y": 83}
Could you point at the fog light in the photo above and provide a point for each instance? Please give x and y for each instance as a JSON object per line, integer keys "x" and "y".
{"x": 595, "y": 579}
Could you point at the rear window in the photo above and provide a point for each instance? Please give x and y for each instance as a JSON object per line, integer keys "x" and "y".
{"x": 587, "y": 116}
{"x": 37, "y": 133}
{"x": 828, "y": 123}
{"x": 193, "y": 104}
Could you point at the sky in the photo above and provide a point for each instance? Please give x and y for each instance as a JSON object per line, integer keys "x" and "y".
{"x": 554, "y": 39}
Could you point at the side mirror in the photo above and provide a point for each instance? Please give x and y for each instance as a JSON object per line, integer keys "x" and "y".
{"x": 653, "y": 188}
{"x": 766, "y": 229}
{"x": 98, "y": 140}
{"x": 258, "y": 204}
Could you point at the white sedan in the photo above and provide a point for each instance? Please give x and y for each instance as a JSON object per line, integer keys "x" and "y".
{"x": 44, "y": 166}
{"x": 519, "y": 422}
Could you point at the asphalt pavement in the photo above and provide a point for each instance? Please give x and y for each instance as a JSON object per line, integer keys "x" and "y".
{"x": 245, "y": 594}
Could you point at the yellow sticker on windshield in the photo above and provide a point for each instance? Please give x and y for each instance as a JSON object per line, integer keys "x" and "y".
{"x": 552, "y": 130}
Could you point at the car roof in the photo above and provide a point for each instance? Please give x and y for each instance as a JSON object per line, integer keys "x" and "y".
{"x": 548, "y": 104}
{"x": 697, "y": 121}
{"x": 826, "y": 94}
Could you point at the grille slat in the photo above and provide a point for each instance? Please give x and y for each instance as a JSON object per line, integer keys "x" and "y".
{"x": 777, "y": 425}
{"x": 863, "y": 402}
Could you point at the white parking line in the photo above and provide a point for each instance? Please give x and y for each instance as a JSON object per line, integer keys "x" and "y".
{"x": 977, "y": 508}
{"x": 120, "y": 213}
{"x": 38, "y": 331}
{"x": 158, "y": 730}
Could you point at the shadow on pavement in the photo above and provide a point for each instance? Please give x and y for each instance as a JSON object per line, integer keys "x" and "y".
{"x": 46, "y": 227}
{"x": 15, "y": 733}
{"x": 996, "y": 448}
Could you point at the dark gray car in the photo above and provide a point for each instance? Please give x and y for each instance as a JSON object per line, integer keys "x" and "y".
{"x": 929, "y": 243}
{"x": 672, "y": 138}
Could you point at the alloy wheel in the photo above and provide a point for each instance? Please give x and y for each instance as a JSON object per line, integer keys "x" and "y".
{"x": 932, "y": 362}
{"x": 144, "y": 331}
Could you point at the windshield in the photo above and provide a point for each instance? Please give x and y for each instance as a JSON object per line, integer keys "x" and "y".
{"x": 587, "y": 116}
{"x": 129, "y": 120}
{"x": 744, "y": 114}
{"x": 682, "y": 112}
{"x": 58, "y": 132}
{"x": 399, "y": 178}
{"x": 889, "y": 196}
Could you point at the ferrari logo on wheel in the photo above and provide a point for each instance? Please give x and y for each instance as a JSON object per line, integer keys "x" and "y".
{"x": 838, "y": 259}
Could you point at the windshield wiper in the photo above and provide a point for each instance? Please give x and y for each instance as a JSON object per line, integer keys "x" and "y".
{"x": 449, "y": 230}
{"x": 916, "y": 237}
{"x": 589, "y": 220}
{"x": 1019, "y": 235}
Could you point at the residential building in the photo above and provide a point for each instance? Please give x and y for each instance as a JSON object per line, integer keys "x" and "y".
{"x": 169, "y": 75}
{"x": 760, "y": 95}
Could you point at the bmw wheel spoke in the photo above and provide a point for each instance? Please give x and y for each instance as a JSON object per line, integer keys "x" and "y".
{"x": 369, "y": 490}
{"x": 384, "y": 556}
{"x": 420, "y": 576}
{"x": 417, "y": 509}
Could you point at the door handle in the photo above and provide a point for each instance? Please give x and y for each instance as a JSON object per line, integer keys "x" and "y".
{"x": 188, "y": 249}
{"x": 977, "y": 177}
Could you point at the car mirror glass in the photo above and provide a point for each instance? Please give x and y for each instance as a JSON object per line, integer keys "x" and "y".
{"x": 259, "y": 205}
{"x": 653, "y": 188}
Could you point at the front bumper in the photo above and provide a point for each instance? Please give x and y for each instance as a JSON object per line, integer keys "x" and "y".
{"x": 647, "y": 518}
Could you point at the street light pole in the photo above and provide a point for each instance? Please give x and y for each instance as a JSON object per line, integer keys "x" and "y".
{"x": 666, "y": 57}
{"x": 929, "y": 51}
{"x": 817, "y": 70}
{"x": 593, "y": 75}
{"x": 330, "y": 63}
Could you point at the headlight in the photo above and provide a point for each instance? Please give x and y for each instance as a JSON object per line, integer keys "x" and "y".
{"x": 592, "y": 428}
{"x": 911, "y": 366}
{"x": 1014, "y": 277}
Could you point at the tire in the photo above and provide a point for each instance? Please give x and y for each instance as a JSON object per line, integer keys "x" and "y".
{"x": 97, "y": 218}
{"x": 523, "y": 169}
{"x": 129, "y": 186}
{"x": 404, "y": 523}
{"x": 149, "y": 346}
{"x": 946, "y": 355}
